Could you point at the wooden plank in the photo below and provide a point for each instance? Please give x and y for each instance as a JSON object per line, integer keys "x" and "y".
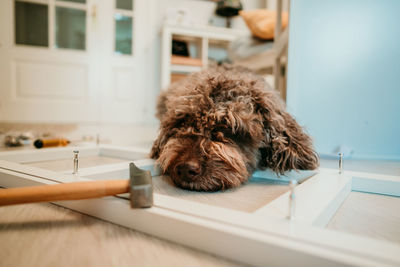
{"x": 330, "y": 209}
{"x": 66, "y": 165}
{"x": 299, "y": 176}
{"x": 185, "y": 68}
{"x": 130, "y": 153}
{"x": 215, "y": 33}
{"x": 204, "y": 52}
{"x": 166, "y": 48}
{"x": 46, "y": 154}
{"x": 376, "y": 183}
{"x": 186, "y": 60}
{"x": 127, "y": 153}
{"x": 317, "y": 199}
{"x": 120, "y": 170}
{"x": 175, "y": 77}
{"x": 50, "y": 176}
{"x": 281, "y": 44}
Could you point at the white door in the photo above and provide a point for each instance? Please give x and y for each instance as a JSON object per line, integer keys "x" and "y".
{"x": 123, "y": 65}
{"x": 69, "y": 60}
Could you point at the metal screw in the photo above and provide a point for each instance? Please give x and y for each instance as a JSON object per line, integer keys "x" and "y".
{"x": 76, "y": 162}
{"x": 340, "y": 163}
{"x": 292, "y": 199}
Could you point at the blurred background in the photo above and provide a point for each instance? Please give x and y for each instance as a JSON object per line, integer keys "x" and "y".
{"x": 90, "y": 70}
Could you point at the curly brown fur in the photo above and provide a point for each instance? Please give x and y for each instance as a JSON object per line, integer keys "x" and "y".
{"x": 219, "y": 125}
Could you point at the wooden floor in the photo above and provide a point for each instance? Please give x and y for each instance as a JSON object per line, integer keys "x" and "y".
{"x": 389, "y": 167}
{"x": 372, "y": 215}
{"x": 47, "y": 235}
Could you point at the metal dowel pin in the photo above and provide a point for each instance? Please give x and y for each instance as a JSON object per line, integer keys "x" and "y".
{"x": 340, "y": 163}
{"x": 76, "y": 162}
{"x": 292, "y": 199}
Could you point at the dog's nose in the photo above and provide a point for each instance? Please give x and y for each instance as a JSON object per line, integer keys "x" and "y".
{"x": 189, "y": 170}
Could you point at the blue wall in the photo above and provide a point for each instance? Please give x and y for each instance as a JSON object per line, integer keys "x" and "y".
{"x": 344, "y": 75}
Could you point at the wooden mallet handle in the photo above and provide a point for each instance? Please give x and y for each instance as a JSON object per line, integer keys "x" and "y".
{"x": 68, "y": 191}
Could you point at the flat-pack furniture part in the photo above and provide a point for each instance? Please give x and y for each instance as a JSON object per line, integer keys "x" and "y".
{"x": 264, "y": 237}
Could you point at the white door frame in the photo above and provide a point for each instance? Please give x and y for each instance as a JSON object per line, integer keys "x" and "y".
{"x": 48, "y": 84}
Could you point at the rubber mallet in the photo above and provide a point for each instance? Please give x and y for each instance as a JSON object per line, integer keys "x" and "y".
{"x": 139, "y": 186}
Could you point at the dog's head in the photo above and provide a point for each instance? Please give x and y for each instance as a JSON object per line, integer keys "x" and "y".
{"x": 201, "y": 164}
{"x": 214, "y": 128}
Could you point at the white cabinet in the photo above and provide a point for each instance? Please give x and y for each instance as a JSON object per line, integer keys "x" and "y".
{"x": 71, "y": 60}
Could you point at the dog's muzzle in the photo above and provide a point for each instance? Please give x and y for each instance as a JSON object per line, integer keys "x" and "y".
{"x": 188, "y": 171}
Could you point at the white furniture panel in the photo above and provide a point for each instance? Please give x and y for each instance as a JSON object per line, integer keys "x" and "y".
{"x": 124, "y": 84}
{"x": 50, "y": 80}
{"x": 261, "y": 238}
{"x": 82, "y": 79}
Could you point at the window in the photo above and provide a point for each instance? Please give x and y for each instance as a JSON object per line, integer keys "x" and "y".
{"x": 70, "y": 28}
{"x": 33, "y": 23}
{"x": 123, "y": 18}
{"x": 63, "y": 24}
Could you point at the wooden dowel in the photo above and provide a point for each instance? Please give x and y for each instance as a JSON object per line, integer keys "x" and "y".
{"x": 68, "y": 191}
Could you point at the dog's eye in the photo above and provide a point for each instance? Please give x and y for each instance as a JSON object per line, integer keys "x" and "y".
{"x": 217, "y": 136}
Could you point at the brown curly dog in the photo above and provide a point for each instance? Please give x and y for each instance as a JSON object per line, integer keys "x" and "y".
{"x": 219, "y": 125}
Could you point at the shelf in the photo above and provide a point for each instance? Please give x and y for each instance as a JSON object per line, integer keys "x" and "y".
{"x": 185, "y": 68}
{"x": 178, "y": 76}
{"x": 187, "y": 61}
{"x": 211, "y": 32}
{"x": 200, "y": 37}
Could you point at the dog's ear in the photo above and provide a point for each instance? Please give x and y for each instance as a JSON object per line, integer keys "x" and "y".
{"x": 156, "y": 148}
{"x": 161, "y": 105}
{"x": 169, "y": 127}
{"x": 241, "y": 121}
{"x": 286, "y": 145}
{"x": 160, "y": 114}
{"x": 158, "y": 144}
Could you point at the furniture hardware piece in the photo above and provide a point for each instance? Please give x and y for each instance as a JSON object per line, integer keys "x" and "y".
{"x": 76, "y": 162}
{"x": 292, "y": 199}
{"x": 340, "y": 163}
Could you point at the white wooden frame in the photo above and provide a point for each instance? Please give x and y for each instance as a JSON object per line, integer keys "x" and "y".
{"x": 126, "y": 13}
{"x": 265, "y": 237}
{"x": 110, "y": 86}
{"x": 52, "y": 5}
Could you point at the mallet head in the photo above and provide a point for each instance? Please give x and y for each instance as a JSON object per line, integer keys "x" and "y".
{"x": 141, "y": 187}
